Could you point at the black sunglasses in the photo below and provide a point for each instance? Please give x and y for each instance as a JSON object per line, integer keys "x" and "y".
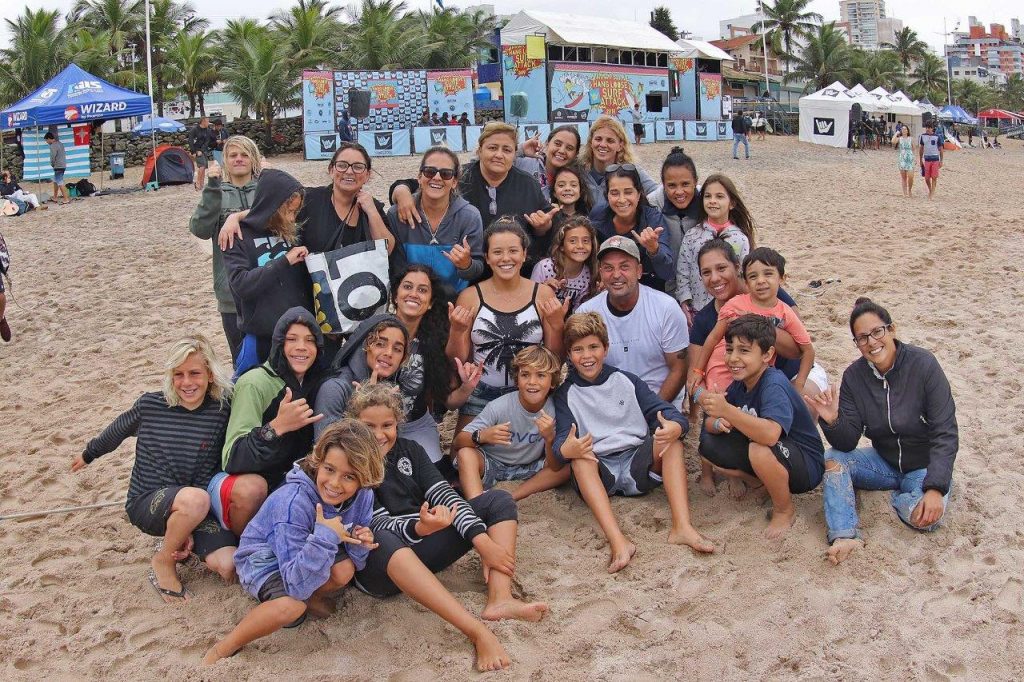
{"x": 628, "y": 167}
{"x": 430, "y": 171}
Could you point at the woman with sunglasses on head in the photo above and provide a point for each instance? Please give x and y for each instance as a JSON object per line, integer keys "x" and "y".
{"x": 898, "y": 397}
{"x": 608, "y": 144}
{"x": 625, "y": 212}
{"x": 449, "y": 236}
{"x": 496, "y": 188}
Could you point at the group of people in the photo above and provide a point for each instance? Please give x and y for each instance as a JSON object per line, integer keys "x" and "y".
{"x": 578, "y": 315}
{"x": 445, "y": 119}
{"x": 926, "y": 153}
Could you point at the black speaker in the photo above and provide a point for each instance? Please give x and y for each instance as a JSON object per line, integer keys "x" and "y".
{"x": 856, "y": 112}
{"x": 358, "y": 103}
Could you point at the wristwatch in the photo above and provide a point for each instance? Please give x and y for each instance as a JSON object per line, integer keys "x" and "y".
{"x": 267, "y": 433}
{"x": 476, "y": 438}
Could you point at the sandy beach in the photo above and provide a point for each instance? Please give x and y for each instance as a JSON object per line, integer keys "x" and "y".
{"x": 103, "y": 286}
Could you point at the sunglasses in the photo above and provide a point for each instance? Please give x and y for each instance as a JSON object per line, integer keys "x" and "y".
{"x": 492, "y": 193}
{"x": 628, "y": 167}
{"x": 430, "y": 171}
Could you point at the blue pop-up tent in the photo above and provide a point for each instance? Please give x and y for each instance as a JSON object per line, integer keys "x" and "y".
{"x": 72, "y": 96}
{"x": 158, "y": 123}
{"x": 956, "y": 114}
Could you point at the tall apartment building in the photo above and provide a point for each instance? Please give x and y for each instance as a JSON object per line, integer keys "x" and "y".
{"x": 995, "y": 49}
{"x": 867, "y": 23}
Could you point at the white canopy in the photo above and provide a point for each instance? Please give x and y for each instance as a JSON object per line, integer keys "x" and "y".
{"x": 897, "y": 102}
{"x": 576, "y": 29}
{"x": 825, "y": 116}
{"x": 703, "y": 50}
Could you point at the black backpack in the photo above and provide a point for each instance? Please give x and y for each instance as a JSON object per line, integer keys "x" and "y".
{"x": 85, "y": 188}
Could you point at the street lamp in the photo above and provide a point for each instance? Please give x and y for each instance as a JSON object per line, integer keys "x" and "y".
{"x": 945, "y": 53}
{"x": 764, "y": 48}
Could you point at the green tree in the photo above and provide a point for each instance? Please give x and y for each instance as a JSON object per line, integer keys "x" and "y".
{"x": 785, "y": 21}
{"x": 121, "y": 20}
{"x": 908, "y": 47}
{"x": 313, "y": 31}
{"x": 167, "y": 18}
{"x": 34, "y": 55}
{"x": 1012, "y": 93}
{"x": 380, "y": 37}
{"x": 874, "y": 69}
{"x": 90, "y": 49}
{"x": 929, "y": 78}
{"x": 661, "y": 19}
{"x": 191, "y": 56}
{"x": 263, "y": 78}
{"x": 970, "y": 94}
{"x": 826, "y": 58}
{"x": 452, "y": 39}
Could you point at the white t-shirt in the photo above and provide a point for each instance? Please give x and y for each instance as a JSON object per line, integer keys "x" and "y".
{"x": 638, "y": 342}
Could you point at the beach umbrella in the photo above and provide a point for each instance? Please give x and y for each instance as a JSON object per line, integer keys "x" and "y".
{"x": 160, "y": 124}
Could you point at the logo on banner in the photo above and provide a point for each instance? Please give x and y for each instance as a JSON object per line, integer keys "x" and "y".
{"x": 722, "y": 130}
{"x": 830, "y": 92}
{"x": 82, "y": 136}
{"x": 612, "y": 93}
{"x": 702, "y": 129}
{"x": 530, "y": 131}
{"x": 448, "y": 84}
{"x": 328, "y": 143}
{"x": 824, "y": 126}
{"x": 437, "y": 136}
{"x": 16, "y": 117}
{"x": 83, "y": 88}
{"x": 516, "y": 62}
{"x": 349, "y": 285}
{"x": 383, "y": 141}
{"x": 44, "y": 95}
{"x": 670, "y": 127}
{"x": 71, "y": 113}
{"x": 98, "y": 108}
{"x": 321, "y": 85}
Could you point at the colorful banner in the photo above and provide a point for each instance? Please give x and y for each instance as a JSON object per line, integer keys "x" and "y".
{"x": 528, "y": 130}
{"x": 451, "y": 92}
{"x": 582, "y": 92}
{"x": 425, "y": 137}
{"x": 397, "y": 98}
{"x": 669, "y": 130}
{"x": 386, "y": 142}
{"x": 683, "y": 104}
{"x": 317, "y": 101}
{"x": 320, "y": 145}
{"x": 37, "y": 153}
{"x": 710, "y": 96}
{"x": 524, "y": 83}
{"x": 724, "y": 130}
{"x": 473, "y": 137}
{"x": 349, "y": 285}
{"x": 704, "y": 131}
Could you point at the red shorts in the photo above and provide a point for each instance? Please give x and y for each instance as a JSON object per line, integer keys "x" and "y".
{"x": 931, "y": 169}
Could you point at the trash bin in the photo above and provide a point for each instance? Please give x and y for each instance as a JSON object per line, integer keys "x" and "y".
{"x": 116, "y": 165}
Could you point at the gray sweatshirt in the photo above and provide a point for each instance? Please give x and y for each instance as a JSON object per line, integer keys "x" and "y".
{"x": 58, "y": 159}
{"x": 424, "y": 243}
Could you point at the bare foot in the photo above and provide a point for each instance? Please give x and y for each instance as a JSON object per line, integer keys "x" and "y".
{"x": 737, "y": 488}
{"x": 490, "y": 654}
{"x": 781, "y": 521}
{"x": 167, "y": 578}
{"x": 321, "y": 606}
{"x": 621, "y": 557}
{"x": 843, "y": 548}
{"x": 691, "y": 538}
{"x": 513, "y": 609}
{"x": 212, "y": 656}
{"x": 707, "y": 484}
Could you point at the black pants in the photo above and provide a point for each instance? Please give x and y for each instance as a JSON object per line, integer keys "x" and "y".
{"x": 232, "y": 333}
{"x": 437, "y": 551}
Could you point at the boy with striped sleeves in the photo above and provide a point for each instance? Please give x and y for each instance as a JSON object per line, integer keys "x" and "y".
{"x": 179, "y": 435}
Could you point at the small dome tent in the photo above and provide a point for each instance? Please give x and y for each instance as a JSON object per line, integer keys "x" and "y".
{"x": 169, "y": 165}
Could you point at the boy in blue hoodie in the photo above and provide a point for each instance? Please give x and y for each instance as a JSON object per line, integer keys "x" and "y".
{"x": 310, "y": 536}
{"x": 619, "y": 437}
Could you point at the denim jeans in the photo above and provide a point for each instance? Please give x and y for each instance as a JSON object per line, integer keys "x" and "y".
{"x": 864, "y": 469}
{"x": 736, "y": 139}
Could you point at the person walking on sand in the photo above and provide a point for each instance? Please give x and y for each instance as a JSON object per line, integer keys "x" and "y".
{"x": 59, "y": 162}
{"x": 201, "y": 142}
{"x": 905, "y": 158}
{"x": 638, "y": 123}
{"x": 931, "y": 155}
{"x": 740, "y": 134}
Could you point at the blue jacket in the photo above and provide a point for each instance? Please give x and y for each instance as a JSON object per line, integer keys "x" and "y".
{"x": 285, "y": 538}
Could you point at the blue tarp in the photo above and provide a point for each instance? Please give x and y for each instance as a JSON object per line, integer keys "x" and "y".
{"x": 73, "y": 96}
{"x": 158, "y": 123}
{"x": 956, "y": 115}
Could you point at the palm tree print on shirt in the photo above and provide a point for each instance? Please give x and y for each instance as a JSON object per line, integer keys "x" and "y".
{"x": 505, "y": 338}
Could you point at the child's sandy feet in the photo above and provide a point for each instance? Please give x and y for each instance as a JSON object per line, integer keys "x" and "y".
{"x": 321, "y": 606}
{"x": 490, "y": 654}
{"x": 166, "y": 580}
{"x": 513, "y": 609}
{"x": 842, "y": 548}
{"x": 691, "y": 538}
{"x": 779, "y": 523}
{"x": 707, "y": 483}
{"x": 737, "y": 488}
{"x": 621, "y": 556}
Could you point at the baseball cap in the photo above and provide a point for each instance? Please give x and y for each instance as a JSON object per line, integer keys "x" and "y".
{"x": 619, "y": 243}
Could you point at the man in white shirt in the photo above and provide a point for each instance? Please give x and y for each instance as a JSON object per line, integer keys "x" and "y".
{"x": 647, "y": 330}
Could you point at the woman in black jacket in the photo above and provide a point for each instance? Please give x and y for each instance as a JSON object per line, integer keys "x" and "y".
{"x": 898, "y": 397}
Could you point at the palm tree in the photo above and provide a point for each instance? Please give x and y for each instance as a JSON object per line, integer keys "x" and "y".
{"x": 1012, "y": 93}
{"x": 230, "y": 39}
{"x": 908, "y": 47}
{"x": 454, "y": 38}
{"x": 970, "y": 94}
{"x": 34, "y": 55}
{"x": 380, "y": 37}
{"x": 167, "y": 18}
{"x": 313, "y": 31}
{"x": 785, "y": 21}
{"x": 874, "y": 69}
{"x": 929, "y": 78}
{"x": 826, "y": 58}
{"x": 263, "y": 77}
{"x": 91, "y": 50}
{"x": 120, "y": 19}
{"x": 191, "y": 56}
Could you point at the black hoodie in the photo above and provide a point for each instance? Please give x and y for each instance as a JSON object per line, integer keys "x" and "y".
{"x": 262, "y": 281}
{"x": 257, "y": 396}
{"x": 349, "y": 365}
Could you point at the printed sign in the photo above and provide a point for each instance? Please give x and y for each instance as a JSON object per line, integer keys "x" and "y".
{"x": 583, "y": 92}
{"x": 524, "y": 83}
{"x": 317, "y": 101}
{"x": 320, "y": 145}
{"x": 451, "y": 92}
{"x": 824, "y": 126}
{"x": 349, "y": 285}
{"x": 387, "y": 142}
{"x": 425, "y": 137}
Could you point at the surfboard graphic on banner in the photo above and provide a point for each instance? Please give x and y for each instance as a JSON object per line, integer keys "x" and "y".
{"x": 349, "y": 285}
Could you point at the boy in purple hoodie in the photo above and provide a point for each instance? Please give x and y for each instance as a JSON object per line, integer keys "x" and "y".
{"x": 309, "y": 537}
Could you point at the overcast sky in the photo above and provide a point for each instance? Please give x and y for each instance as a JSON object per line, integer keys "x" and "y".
{"x": 925, "y": 18}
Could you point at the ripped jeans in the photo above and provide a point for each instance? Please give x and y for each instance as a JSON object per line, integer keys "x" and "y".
{"x": 864, "y": 469}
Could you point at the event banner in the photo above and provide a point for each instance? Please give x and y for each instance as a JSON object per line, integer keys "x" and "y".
{"x": 349, "y": 285}
{"x": 451, "y": 92}
{"x": 387, "y": 142}
{"x": 397, "y": 98}
{"x": 724, "y": 130}
{"x": 528, "y": 130}
{"x": 670, "y": 130}
{"x": 320, "y": 145}
{"x": 705, "y": 131}
{"x": 710, "y": 96}
{"x": 37, "y": 153}
{"x": 425, "y": 137}
{"x": 524, "y": 82}
{"x": 683, "y": 104}
{"x": 317, "y": 101}
{"x": 582, "y": 92}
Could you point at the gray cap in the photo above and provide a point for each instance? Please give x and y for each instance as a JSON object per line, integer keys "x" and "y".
{"x": 619, "y": 243}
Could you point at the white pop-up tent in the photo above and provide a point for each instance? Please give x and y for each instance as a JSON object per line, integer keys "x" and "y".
{"x": 902, "y": 109}
{"x": 825, "y": 116}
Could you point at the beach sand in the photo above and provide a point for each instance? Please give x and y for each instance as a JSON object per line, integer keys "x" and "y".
{"x": 102, "y": 287}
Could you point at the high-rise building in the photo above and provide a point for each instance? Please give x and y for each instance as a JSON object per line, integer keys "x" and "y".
{"x": 867, "y": 23}
{"x": 995, "y": 49}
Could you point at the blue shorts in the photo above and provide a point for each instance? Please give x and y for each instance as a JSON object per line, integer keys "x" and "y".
{"x": 495, "y": 471}
{"x": 627, "y": 472}
{"x": 481, "y": 395}
{"x": 58, "y": 176}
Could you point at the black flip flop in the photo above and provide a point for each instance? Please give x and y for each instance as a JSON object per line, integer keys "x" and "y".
{"x": 180, "y": 595}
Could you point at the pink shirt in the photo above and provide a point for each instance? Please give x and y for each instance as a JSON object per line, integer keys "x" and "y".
{"x": 782, "y": 316}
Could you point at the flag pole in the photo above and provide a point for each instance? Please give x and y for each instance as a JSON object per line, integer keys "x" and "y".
{"x": 149, "y": 79}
